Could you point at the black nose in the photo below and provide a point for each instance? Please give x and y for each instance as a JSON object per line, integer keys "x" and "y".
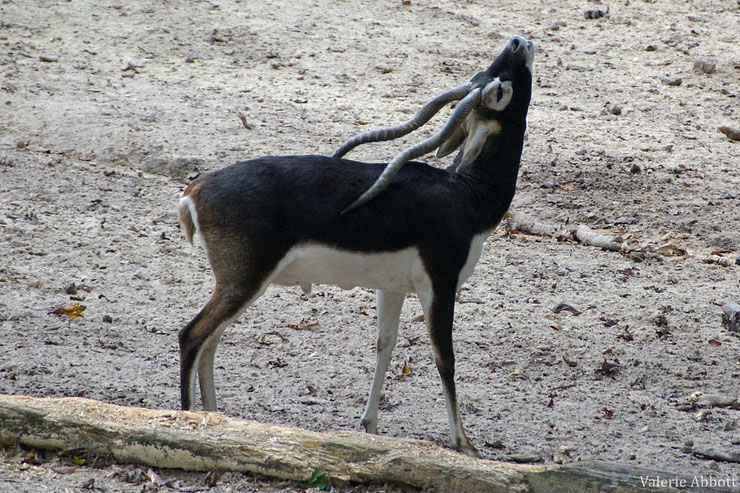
{"x": 516, "y": 42}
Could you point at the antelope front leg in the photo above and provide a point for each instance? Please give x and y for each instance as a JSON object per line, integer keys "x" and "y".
{"x": 439, "y": 314}
{"x": 389, "y": 313}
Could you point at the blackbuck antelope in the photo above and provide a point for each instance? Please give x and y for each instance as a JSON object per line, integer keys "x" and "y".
{"x": 293, "y": 220}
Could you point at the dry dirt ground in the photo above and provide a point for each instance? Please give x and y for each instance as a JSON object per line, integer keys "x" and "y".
{"x": 106, "y": 107}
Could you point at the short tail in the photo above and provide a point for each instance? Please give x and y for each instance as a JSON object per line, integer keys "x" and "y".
{"x": 186, "y": 212}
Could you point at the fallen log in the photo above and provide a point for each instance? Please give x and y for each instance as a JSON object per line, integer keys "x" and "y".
{"x": 201, "y": 441}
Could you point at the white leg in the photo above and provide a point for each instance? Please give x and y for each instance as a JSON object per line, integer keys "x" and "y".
{"x": 205, "y": 373}
{"x": 389, "y": 313}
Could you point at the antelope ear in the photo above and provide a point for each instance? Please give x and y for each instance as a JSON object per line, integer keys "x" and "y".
{"x": 452, "y": 143}
{"x": 478, "y": 132}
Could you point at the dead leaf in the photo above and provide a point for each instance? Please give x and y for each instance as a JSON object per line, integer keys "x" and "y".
{"x": 714, "y": 343}
{"x": 496, "y": 444}
{"x": 671, "y": 251}
{"x": 608, "y": 413}
{"x": 303, "y": 325}
{"x": 518, "y": 373}
{"x": 311, "y": 389}
{"x": 34, "y": 458}
{"x": 263, "y": 339}
{"x": 627, "y": 336}
{"x": 212, "y": 478}
{"x": 406, "y": 371}
{"x": 608, "y": 368}
{"x": 154, "y": 478}
{"x": 570, "y": 363}
{"x": 663, "y": 333}
{"x": 277, "y": 363}
{"x": 418, "y": 318}
{"x": 565, "y": 307}
{"x": 74, "y": 311}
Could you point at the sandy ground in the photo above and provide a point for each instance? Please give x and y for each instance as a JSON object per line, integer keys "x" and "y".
{"x": 106, "y": 107}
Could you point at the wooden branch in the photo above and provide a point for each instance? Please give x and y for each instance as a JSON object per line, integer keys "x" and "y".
{"x": 519, "y": 223}
{"x": 203, "y": 441}
{"x": 582, "y": 233}
{"x": 587, "y": 236}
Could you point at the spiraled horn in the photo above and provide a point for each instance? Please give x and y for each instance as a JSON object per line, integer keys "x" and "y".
{"x": 456, "y": 119}
{"x": 420, "y": 118}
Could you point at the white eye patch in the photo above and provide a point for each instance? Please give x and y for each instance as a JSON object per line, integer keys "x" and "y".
{"x": 497, "y": 94}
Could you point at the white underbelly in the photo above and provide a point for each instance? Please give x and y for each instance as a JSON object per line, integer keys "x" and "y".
{"x": 398, "y": 271}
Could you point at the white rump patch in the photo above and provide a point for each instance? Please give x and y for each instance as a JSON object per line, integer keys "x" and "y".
{"x": 186, "y": 201}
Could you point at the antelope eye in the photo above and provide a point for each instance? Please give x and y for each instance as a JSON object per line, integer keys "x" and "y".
{"x": 500, "y": 93}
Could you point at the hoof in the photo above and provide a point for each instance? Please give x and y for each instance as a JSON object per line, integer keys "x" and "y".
{"x": 464, "y": 446}
{"x": 371, "y": 428}
{"x": 470, "y": 451}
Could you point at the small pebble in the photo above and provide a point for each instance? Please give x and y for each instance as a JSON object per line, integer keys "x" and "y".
{"x": 731, "y": 132}
{"x": 581, "y": 152}
{"x": 34, "y": 283}
{"x": 594, "y": 14}
{"x": 635, "y": 169}
{"x": 651, "y": 48}
{"x": 562, "y": 455}
{"x": 615, "y": 110}
{"x": 637, "y": 256}
{"x": 49, "y": 58}
{"x": 557, "y": 25}
{"x": 107, "y": 319}
{"x": 705, "y": 65}
{"x": 71, "y": 289}
{"x": 702, "y": 416}
{"x": 672, "y": 81}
